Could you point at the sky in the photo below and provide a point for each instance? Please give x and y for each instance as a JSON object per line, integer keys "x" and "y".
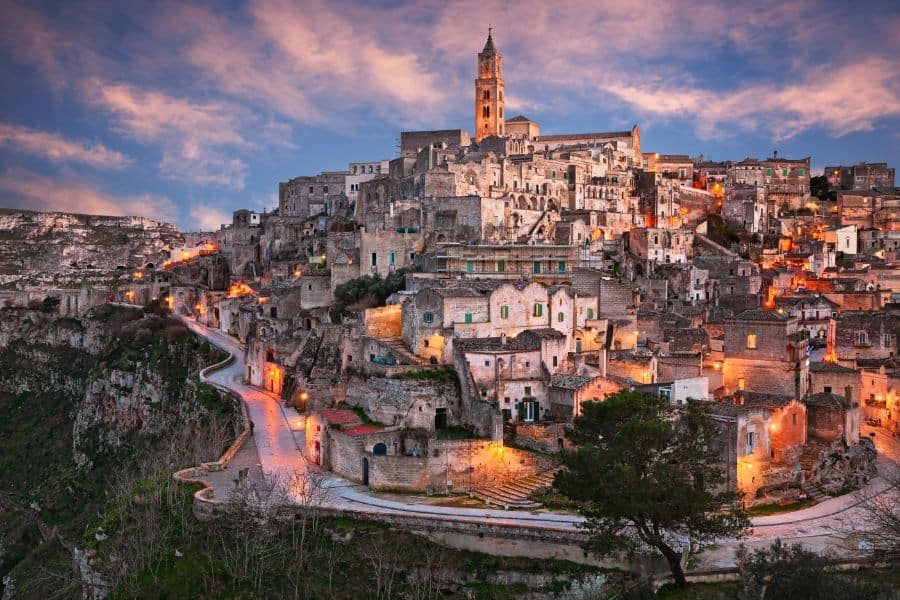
{"x": 187, "y": 111}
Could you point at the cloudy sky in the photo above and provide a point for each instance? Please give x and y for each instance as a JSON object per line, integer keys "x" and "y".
{"x": 187, "y": 111}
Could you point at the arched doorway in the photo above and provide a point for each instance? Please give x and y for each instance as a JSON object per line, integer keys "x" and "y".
{"x": 379, "y": 449}
{"x": 365, "y": 471}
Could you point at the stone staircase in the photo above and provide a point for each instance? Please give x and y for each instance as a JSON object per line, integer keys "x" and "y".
{"x": 515, "y": 494}
{"x": 401, "y": 352}
{"x": 813, "y": 492}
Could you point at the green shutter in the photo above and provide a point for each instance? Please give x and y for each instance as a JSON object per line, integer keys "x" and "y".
{"x": 536, "y": 267}
{"x": 768, "y": 172}
{"x": 801, "y": 172}
{"x": 470, "y": 266}
{"x": 562, "y": 266}
{"x": 468, "y": 317}
{"x": 504, "y": 312}
{"x": 590, "y": 314}
{"x": 501, "y": 266}
{"x": 520, "y": 406}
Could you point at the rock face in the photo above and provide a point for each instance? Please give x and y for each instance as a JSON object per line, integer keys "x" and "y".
{"x": 64, "y": 250}
{"x": 852, "y": 468}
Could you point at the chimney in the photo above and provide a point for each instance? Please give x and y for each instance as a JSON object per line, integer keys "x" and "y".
{"x": 502, "y": 339}
{"x": 848, "y": 394}
{"x": 775, "y": 154}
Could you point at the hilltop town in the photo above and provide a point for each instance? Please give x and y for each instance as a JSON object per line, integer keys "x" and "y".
{"x": 431, "y": 323}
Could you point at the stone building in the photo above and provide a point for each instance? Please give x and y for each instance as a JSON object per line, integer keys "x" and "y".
{"x": 765, "y": 352}
{"x": 308, "y": 196}
{"x": 864, "y": 335}
{"x": 567, "y": 393}
{"x": 862, "y": 176}
{"x": 833, "y": 417}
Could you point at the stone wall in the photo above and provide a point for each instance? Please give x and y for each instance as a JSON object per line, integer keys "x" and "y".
{"x": 543, "y": 437}
{"x": 407, "y": 402}
{"x": 455, "y": 465}
{"x": 383, "y": 322}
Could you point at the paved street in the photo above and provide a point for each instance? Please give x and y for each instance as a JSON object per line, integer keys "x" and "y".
{"x": 824, "y": 525}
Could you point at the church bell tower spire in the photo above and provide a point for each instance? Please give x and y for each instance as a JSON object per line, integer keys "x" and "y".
{"x": 489, "y": 92}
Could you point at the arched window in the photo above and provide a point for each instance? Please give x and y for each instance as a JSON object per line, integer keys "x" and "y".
{"x": 487, "y": 94}
{"x": 485, "y": 111}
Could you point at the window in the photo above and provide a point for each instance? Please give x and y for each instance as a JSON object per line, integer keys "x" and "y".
{"x": 751, "y": 341}
{"x": 470, "y": 266}
{"x": 536, "y": 267}
{"x": 794, "y": 419}
{"x": 485, "y": 112}
{"x": 374, "y": 259}
{"x": 527, "y": 390}
{"x": 504, "y": 312}
{"x": 325, "y": 189}
{"x": 784, "y": 172}
{"x": 827, "y": 389}
{"x": 561, "y": 317}
{"x": 391, "y": 259}
{"x": 590, "y": 313}
{"x": 501, "y": 266}
{"x": 741, "y": 383}
{"x": 487, "y": 363}
{"x": 538, "y": 309}
{"x": 487, "y": 94}
{"x": 428, "y": 317}
{"x": 682, "y": 173}
{"x": 801, "y": 172}
{"x": 562, "y": 266}
{"x": 768, "y": 172}
{"x": 468, "y": 317}
{"x": 862, "y": 338}
{"x": 750, "y": 440}
{"x": 311, "y": 189}
{"x": 527, "y": 364}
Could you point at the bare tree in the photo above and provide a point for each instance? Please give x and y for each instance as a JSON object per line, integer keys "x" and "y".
{"x": 879, "y": 529}
{"x": 429, "y": 577}
{"x": 382, "y": 554}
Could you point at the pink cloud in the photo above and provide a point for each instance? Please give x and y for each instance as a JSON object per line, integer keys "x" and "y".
{"x": 841, "y": 100}
{"x": 43, "y": 193}
{"x": 54, "y": 147}
{"x": 191, "y": 133}
{"x": 208, "y": 217}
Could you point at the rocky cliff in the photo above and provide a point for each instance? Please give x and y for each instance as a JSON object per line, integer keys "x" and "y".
{"x": 65, "y": 250}
{"x": 88, "y": 406}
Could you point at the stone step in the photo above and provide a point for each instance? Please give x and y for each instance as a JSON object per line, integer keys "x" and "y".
{"x": 506, "y": 502}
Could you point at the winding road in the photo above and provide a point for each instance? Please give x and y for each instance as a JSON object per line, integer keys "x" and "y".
{"x": 826, "y": 524}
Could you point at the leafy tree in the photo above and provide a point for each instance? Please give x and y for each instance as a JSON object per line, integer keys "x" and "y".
{"x": 370, "y": 289}
{"x": 648, "y": 472}
{"x": 782, "y": 571}
{"x": 819, "y": 187}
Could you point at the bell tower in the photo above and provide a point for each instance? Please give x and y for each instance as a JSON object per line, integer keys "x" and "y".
{"x": 489, "y": 92}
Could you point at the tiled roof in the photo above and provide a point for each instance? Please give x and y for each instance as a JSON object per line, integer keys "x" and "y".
{"x": 826, "y": 400}
{"x": 339, "y": 416}
{"x": 760, "y": 399}
{"x": 543, "y": 333}
{"x": 569, "y": 382}
{"x": 758, "y": 314}
{"x": 824, "y": 367}
{"x": 362, "y": 429}
{"x": 496, "y": 344}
